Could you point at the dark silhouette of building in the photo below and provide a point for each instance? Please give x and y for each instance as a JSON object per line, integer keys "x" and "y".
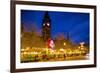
{"x": 46, "y": 27}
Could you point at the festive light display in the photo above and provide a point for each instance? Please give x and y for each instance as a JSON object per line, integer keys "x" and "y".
{"x": 48, "y": 54}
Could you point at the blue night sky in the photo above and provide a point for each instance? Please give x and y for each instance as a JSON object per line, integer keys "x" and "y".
{"x": 76, "y": 24}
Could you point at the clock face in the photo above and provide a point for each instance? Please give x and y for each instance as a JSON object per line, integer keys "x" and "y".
{"x": 44, "y": 24}
{"x": 48, "y": 24}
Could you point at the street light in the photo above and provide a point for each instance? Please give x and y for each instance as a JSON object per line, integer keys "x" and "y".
{"x": 64, "y": 43}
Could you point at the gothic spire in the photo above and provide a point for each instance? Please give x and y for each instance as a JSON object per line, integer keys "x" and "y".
{"x": 46, "y": 17}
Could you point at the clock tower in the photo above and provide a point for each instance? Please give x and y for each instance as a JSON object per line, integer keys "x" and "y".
{"x": 46, "y": 27}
